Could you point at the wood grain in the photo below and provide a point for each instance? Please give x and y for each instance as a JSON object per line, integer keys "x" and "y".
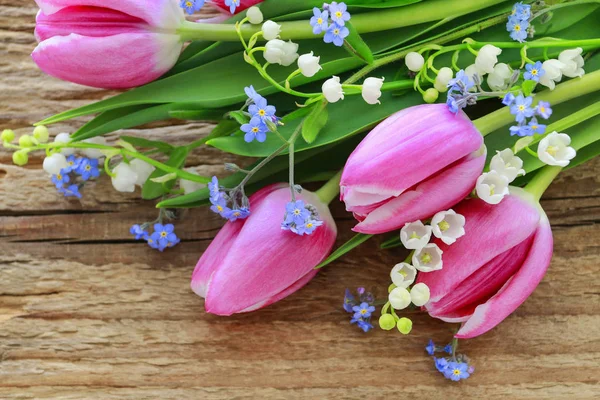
{"x": 87, "y": 313}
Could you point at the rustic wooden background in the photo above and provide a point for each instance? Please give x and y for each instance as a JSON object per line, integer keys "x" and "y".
{"x": 88, "y": 313}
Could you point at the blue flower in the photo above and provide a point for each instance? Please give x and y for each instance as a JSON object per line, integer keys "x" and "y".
{"x": 534, "y": 72}
{"x": 543, "y": 109}
{"x": 255, "y": 129}
{"x": 536, "y": 129}
{"x": 522, "y": 108}
{"x": 336, "y": 34}
{"x": 213, "y": 187}
{"x": 508, "y": 99}
{"x": 521, "y": 11}
{"x": 452, "y": 104}
{"x": 448, "y": 348}
{"x": 461, "y": 83}
{"x": 349, "y": 301}
{"x": 138, "y": 232}
{"x": 517, "y": 28}
{"x": 296, "y": 212}
{"x": 164, "y": 236}
{"x": 319, "y": 21}
{"x": 70, "y": 191}
{"x": 233, "y": 4}
{"x": 339, "y": 13}
{"x": 88, "y": 168}
{"x": 364, "y": 310}
{"x": 238, "y": 213}
{"x": 307, "y": 227}
{"x": 262, "y": 109}
{"x": 521, "y": 130}
{"x": 362, "y": 324}
{"x": 191, "y": 6}
{"x": 252, "y": 93}
{"x": 73, "y": 163}
{"x": 441, "y": 364}
{"x": 457, "y": 371}
{"x": 61, "y": 179}
{"x": 219, "y": 206}
{"x": 430, "y": 348}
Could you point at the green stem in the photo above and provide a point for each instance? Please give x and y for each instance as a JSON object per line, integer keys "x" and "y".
{"x": 574, "y": 88}
{"x": 375, "y": 21}
{"x": 542, "y": 181}
{"x": 331, "y": 189}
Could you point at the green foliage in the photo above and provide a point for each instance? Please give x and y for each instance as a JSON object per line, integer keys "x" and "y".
{"x": 356, "y": 241}
{"x": 315, "y": 121}
{"x": 153, "y": 190}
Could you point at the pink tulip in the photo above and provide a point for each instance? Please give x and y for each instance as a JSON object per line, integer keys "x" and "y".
{"x": 244, "y": 4}
{"x": 253, "y": 263}
{"x": 492, "y": 270}
{"x": 419, "y": 161}
{"x": 107, "y": 43}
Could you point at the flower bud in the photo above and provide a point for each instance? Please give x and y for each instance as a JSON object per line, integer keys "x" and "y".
{"x": 404, "y": 325}
{"x": 309, "y": 64}
{"x": 95, "y": 153}
{"x": 419, "y": 294}
{"x": 442, "y": 79}
{"x": 26, "y": 141}
{"x": 332, "y": 90}
{"x": 271, "y": 30}
{"x": 7, "y": 136}
{"x": 414, "y": 61}
{"x": 255, "y": 16}
{"x": 431, "y": 95}
{"x": 387, "y": 322}
{"x": 41, "y": 133}
{"x": 143, "y": 171}
{"x": 554, "y": 149}
{"x": 55, "y": 163}
{"x": 125, "y": 178}
{"x": 64, "y": 138}
{"x": 487, "y": 58}
{"x": 20, "y": 158}
{"x": 371, "y": 90}
{"x": 399, "y": 298}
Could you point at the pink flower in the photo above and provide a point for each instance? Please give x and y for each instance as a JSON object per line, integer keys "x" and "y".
{"x": 418, "y": 162}
{"x": 492, "y": 270}
{"x": 107, "y": 43}
{"x": 254, "y": 263}
{"x": 244, "y": 4}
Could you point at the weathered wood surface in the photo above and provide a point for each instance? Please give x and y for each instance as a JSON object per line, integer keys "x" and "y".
{"x": 87, "y": 313}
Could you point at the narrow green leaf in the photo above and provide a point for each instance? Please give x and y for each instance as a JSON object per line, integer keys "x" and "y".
{"x": 356, "y": 46}
{"x": 198, "y": 115}
{"x": 239, "y": 116}
{"x": 345, "y": 248}
{"x": 153, "y": 190}
{"x": 148, "y": 144}
{"x": 315, "y": 121}
{"x": 391, "y": 243}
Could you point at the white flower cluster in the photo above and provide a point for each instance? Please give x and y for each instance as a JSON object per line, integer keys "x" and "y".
{"x": 128, "y": 176}
{"x": 58, "y": 161}
{"x": 569, "y": 63}
{"x": 554, "y": 149}
{"x": 505, "y": 167}
{"x": 447, "y": 226}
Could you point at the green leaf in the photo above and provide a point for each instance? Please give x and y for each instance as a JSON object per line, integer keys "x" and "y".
{"x": 225, "y": 128}
{"x": 345, "y": 248}
{"x": 153, "y": 190}
{"x": 149, "y": 144}
{"x": 356, "y": 46}
{"x": 528, "y": 87}
{"x": 315, "y": 121}
{"x": 391, "y": 243}
{"x": 239, "y": 116}
{"x": 198, "y": 115}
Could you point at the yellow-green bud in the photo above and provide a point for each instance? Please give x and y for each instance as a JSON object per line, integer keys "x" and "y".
{"x": 387, "y": 322}
{"x": 8, "y": 135}
{"x": 431, "y": 95}
{"x": 404, "y": 325}
{"x": 41, "y": 133}
{"x": 20, "y": 158}
{"x": 26, "y": 141}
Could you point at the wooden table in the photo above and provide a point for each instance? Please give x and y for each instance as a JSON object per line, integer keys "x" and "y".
{"x": 88, "y": 313}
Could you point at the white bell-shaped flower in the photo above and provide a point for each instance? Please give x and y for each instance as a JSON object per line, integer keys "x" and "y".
{"x": 415, "y": 235}
{"x": 414, "y": 61}
{"x": 274, "y": 52}
{"x": 420, "y": 294}
{"x": 492, "y": 187}
{"x": 125, "y": 178}
{"x": 55, "y": 163}
{"x": 190, "y": 186}
{"x": 309, "y": 64}
{"x": 255, "y": 16}
{"x": 487, "y": 58}
{"x": 371, "y": 90}
{"x": 471, "y": 71}
{"x": 554, "y": 149}
{"x": 573, "y": 62}
{"x": 506, "y": 163}
{"x": 399, "y": 298}
{"x": 403, "y": 275}
{"x": 332, "y": 90}
{"x": 143, "y": 171}
{"x": 428, "y": 259}
{"x": 442, "y": 79}
{"x": 553, "y": 73}
{"x": 271, "y": 30}
{"x": 290, "y": 53}
{"x": 95, "y": 153}
{"x": 448, "y": 226}
{"x": 64, "y": 138}
{"x": 499, "y": 79}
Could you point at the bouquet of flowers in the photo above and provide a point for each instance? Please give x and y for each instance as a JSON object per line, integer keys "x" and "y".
{"x": 438, "y": 122}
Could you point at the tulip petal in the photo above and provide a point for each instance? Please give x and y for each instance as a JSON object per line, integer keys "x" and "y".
{"x": 158, "y": 13}
{"x": 439, "y": 192}
{"x": 517, "y": 289}
{"x": 119, "y": 61}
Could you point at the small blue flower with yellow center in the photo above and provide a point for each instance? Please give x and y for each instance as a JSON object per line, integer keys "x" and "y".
{"x": 336, "y": 34}
{"x": 255, "y": 130}
{"x": 238, "y": 213}
{"x": 73, "y": 163}
{"x": 191, "y": 6}
{"x": 88, "y": 168}
{"x": 543, "y": 109}
{"x": 61, "y": 179}
{"x": 308, "y": 227}
{"x": 71, "y": 191}
{"x": 232, "y": 4}
{"x": 219, "y": 206}
{"x": 457, "y": 371}
{"x": 520, "y": 130}
{"x": 366, "y": 326}
{"x": 521, "y": 11}
{"x": 364, "y": 310}
{"x": 536, "y": 128}
{"x": 296, "y": 212}
{"x": 517, "y": 28}
{"x": 262, "y": 109}
{"x": 163, "y": 237}
{"x": 534, "y": 72}
{"x": 339, "y": 13}
{"x": 521, "y": 109}
{"x": 139, "y": 233}
{"x": 319, "y": 21}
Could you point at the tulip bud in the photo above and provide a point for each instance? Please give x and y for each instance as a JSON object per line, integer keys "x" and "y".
{"x": 309, "y": 64}
{"x": 332, "y": 90}
{"x": 271, "y": 30}
{"x": 404, "y": 325}
{"x": 418, "y": 162}
{"x": 125, "y": 178}
{"x": 7, "y": 136}
{"x": 487, "y": 58}
{"x": 494, "y": 267}
{"x": 371, "y": 90}
{"x": 442, "y": 79}
{"x": 55, "y": 163}
{"x": 41, "y": 134}
{"x": 20, "y": 158}
{"x": 387, "y": 322}
{"x": 253, "y": 262}
{"x": 255, "y": 16}
{"x": 414, "y": 61}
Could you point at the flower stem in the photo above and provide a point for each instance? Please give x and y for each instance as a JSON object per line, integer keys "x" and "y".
{"x": 542, "y": 181}
{"x": 331, "y": 189}
{"x": 574, "y": 88}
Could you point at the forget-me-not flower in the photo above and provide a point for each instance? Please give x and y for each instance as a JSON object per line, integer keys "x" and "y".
{"x": 319, "y": 21}
{"x": 534, "y": 72}
{"x": 255, "y": 129}
{"x": 336, "y": 34}
{"x": 191, "y": 6}
{"x": 339, "y": 13}
{"x": 521, "y": 109}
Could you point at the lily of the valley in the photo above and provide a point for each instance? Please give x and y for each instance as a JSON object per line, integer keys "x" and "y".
{"x": 442, "y": 79}
{"x": 554, "y": 72}
{"x": 448, "y": 226}
{"x": 271, "y": 30}
{"x": 428, "y": 259}
{"x": 554, "y": 149}
{"x": 420, "y": 294}
{"x": 403, "y": 275}
{"x": 309, "y": 64}
{"x": 572, "y": 62}
{"x": 492, "y": 187}
{"x": 332, "y": 90}
{"x": 500, "y": 78}
{"x": 415, "y": 235}
{"x": 279, "y": 52}
{"x": 55, "y": 163}
{"x": 506, "y": 163}
{"x": 124, "y": 179}
{"x": 487, "y": 58}
{"x": 414, "y": 61}
{"x": 371, "y": 90}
